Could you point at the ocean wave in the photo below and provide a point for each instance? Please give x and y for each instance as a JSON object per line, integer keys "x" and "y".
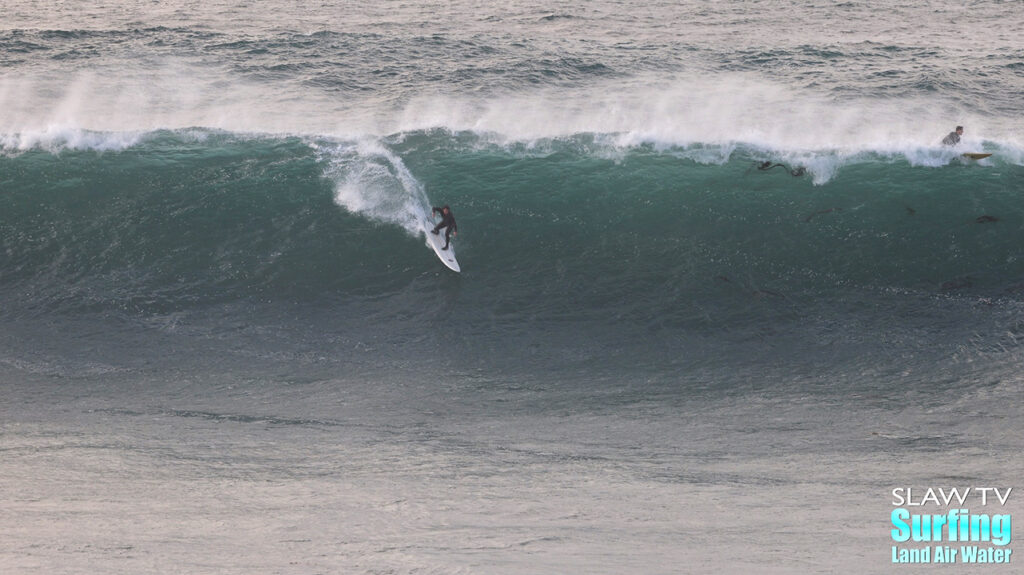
{"x": 173, "y": 217}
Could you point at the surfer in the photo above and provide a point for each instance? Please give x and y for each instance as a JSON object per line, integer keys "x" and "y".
{"x": 447, "y": 221}
{"x": 765, "y": 166}
{"x": 953, "y": 138}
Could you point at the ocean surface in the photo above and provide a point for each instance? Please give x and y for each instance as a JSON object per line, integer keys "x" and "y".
{"x": 722, "y": 287}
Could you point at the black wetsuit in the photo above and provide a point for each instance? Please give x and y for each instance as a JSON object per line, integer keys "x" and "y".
{"x": 952, "y": 139}
{"x": 447, "y": 221}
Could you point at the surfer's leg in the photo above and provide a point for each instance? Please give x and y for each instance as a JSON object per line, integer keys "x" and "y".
{"x": 447, "y": 237}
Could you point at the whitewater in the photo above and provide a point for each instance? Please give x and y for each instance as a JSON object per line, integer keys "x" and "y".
{"x": 722, "y": 290}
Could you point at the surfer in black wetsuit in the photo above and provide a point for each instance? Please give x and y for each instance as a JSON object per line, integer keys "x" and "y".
{"x": 447, "y": 221}
{"x": 765, "y": 166}
{"x": 953, "y": 138}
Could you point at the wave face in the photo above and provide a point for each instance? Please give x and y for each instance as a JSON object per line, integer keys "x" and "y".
{"x": 194, "y": 181}
{"x": 580, "y": 255}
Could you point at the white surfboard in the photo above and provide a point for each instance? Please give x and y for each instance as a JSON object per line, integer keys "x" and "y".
{"x": 436, "y": 242}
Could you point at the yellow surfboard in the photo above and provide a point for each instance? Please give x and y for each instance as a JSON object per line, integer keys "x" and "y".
{"x": 976, "y": 155}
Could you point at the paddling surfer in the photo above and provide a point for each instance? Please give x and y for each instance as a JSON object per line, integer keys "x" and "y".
{"x": 797, "y": 172}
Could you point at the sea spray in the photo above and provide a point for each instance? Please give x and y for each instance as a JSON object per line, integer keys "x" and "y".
{"x": 372, "y": 181}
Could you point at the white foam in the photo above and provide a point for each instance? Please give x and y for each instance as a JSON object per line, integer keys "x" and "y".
{"x": 55, "y": 138}
{"x": 716, "y": 111}
{"x": 372, "y": 181}
{"x": 708, "y": 109}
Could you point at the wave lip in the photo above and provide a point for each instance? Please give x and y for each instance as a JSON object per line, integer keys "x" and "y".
{"x": 57, "y": 138}
{"x": 665, "y": 109}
